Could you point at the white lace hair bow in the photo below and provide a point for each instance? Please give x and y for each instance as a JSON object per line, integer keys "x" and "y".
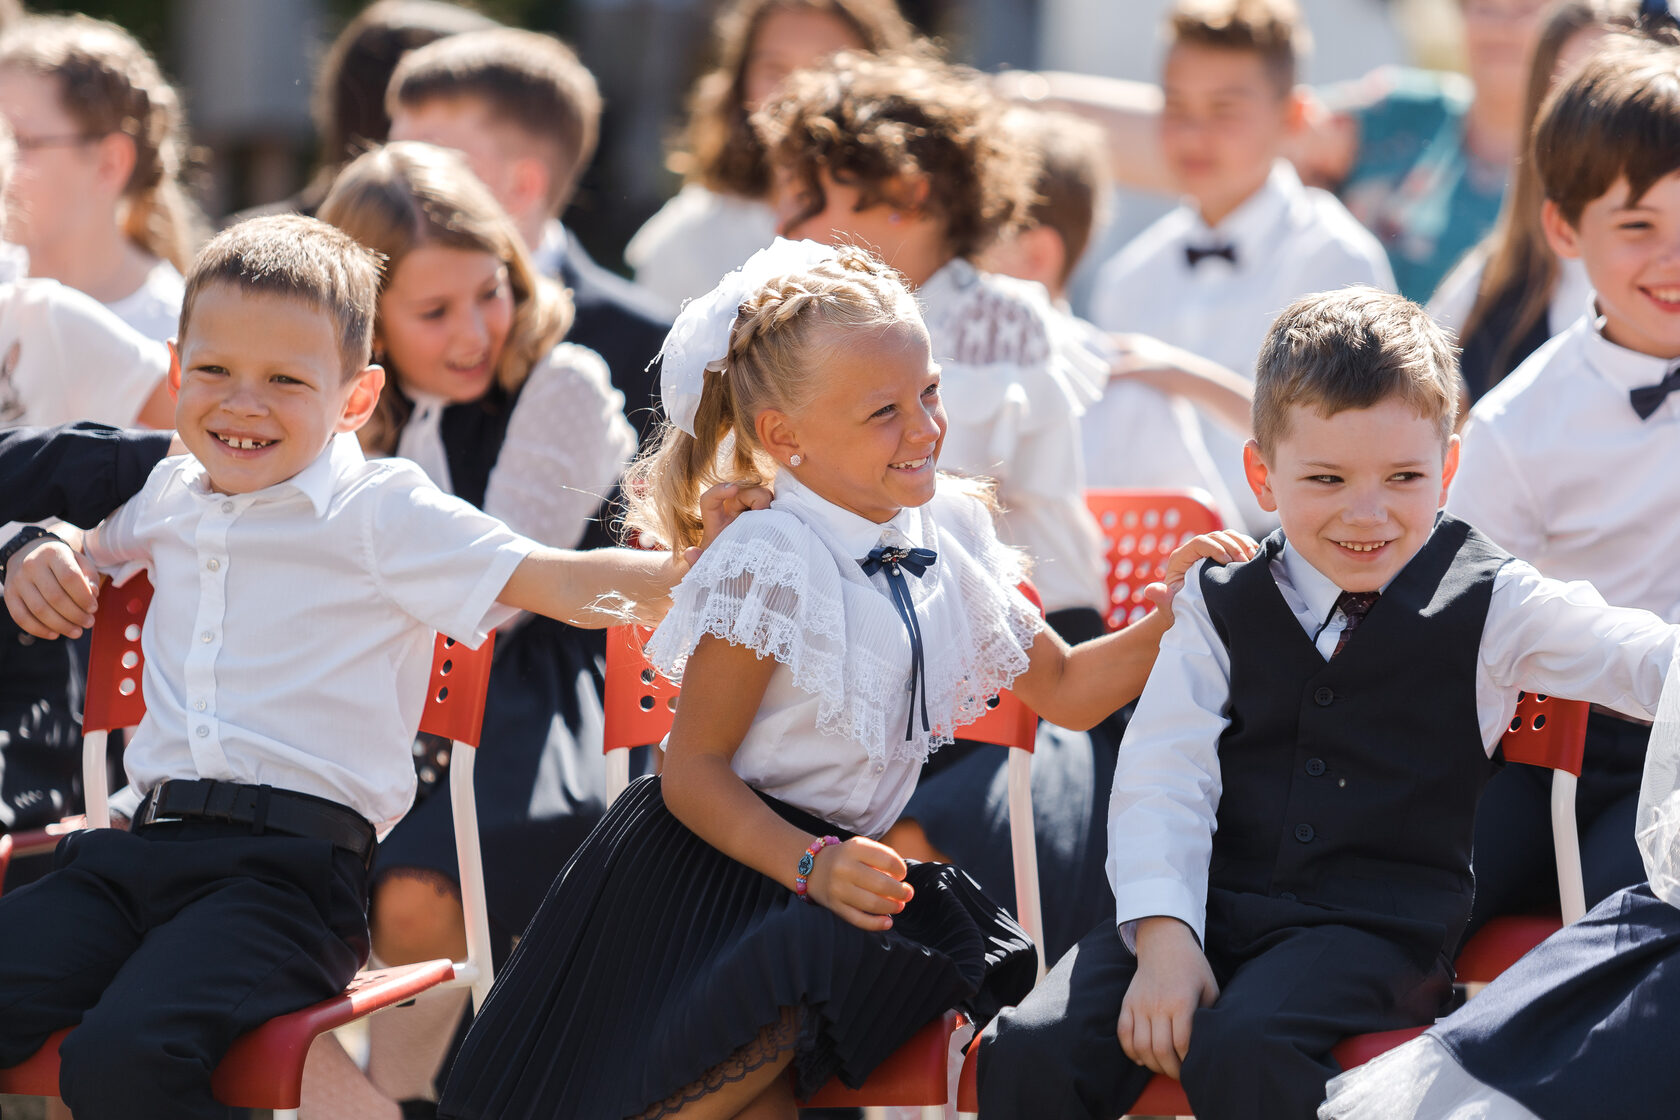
{"x": 699, "y": 340}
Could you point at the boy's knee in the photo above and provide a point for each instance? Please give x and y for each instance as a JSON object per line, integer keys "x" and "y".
{"x": 416, "y": 916}
{"x": 112, "y": 1067}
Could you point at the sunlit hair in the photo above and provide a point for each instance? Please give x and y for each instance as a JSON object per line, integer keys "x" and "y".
{"x": 1353, "y": 348}
{"x": 877, "y": 122}
{"x": 299, "y": 258}
{"x": 407, "y": 195}
{"x": 1072, "y": 179}
{"x": 777, "y": 353}
{"x": 107, "y": 83}
{"x": 720, "y": 150}
{"x": 528, "y": 81}
{"x": 1272, "y": 29}
{"x": 1518, "y": 258}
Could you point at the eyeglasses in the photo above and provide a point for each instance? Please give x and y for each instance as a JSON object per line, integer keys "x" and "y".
{"x": 66, "y": 140}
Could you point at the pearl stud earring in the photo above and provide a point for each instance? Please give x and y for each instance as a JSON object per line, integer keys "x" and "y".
{"x": 795, "y": 460}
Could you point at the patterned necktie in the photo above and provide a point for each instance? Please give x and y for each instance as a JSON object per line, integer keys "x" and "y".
{"x": 895, "y": 562}
{"x": 1354, "y": 605}
{"x": 1648, "y": 398}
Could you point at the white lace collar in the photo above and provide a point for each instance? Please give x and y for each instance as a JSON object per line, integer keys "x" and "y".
{"x": 847, "y": 533}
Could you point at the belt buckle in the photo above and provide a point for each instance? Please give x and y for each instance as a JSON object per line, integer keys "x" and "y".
{"x": 149, "y": 806}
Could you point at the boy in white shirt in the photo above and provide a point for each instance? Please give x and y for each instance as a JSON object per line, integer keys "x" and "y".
{"x": 1570, "y": 462}
{"x": 1210, "y": 276}
{"x": 298, "y": 587}
{"x": 1290, "y": 826}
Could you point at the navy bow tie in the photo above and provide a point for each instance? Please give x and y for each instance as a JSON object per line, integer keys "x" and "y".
{"x": 1648, "y": 398}
{"x": 1194, "y": 256}
{"x": 895, "y": 562}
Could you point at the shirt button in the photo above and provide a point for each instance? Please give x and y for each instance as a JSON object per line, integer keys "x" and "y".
{"x": 207, "y": 637}
{"x": 227, "y": 507}
{"x": 1315, "y": 766}
{"x": 201, "y": 731}
{"x": 199, "y": 705}
{"x": 1304, "y": 833}
{"x": 213, "y": 564}
{"x": 880, "y": 768}
{"x": 1288, "y": 896}
{"x": 1323, "y": 697}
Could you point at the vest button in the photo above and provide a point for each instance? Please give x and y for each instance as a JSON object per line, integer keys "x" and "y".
{"x": 1304, "y": 833}
{"x": 1323, "y": 697}
{"x": 1315, "y": 766}
{"x": 1288, "y": 896}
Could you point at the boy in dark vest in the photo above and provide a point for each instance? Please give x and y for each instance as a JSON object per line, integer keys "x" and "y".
{"x": 1290, "y": 827}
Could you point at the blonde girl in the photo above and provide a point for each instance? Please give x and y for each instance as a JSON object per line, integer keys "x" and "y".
{"x": 484, "y": 395}
{"x": 722, "y": 214}
{"x": 97, "y": 197}
{"x": 733, "y": 934}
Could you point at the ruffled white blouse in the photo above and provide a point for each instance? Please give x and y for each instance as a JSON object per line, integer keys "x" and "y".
{"x": 786, "y": 582}
{"x": 1017, "y": 377}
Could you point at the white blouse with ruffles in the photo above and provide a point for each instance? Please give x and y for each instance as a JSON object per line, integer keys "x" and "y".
{"x": 829, "y": 735}
{"x": 1017, "y": 378}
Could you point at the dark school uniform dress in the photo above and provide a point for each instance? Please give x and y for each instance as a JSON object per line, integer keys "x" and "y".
{"x": 658, "y": 967}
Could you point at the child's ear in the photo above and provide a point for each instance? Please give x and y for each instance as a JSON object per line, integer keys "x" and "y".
{"x": 775, "y": 434}
{"x": 530, "y": 182}
{"x": 1259, "y": 476}
{"x": 1295, "y": 110}
{"x": 174, "y": 370}
{"x": 365, "y": 387}
{"x": 909, "y": 193}
{"x": 117, "y": 157}
{"x": 1563, "y": 237}
{"x": 1449, "y": 468}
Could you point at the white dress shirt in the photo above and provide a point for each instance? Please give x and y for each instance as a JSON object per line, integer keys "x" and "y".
{"x": 1559, "y": 469}
{"x": 829, "y": 735}
{"x": 696, "y": 237}
{"x": 1289, "y": 240}
{"x": 566, "y": 444}
{"x": 1540, "y": 634}
{"x": 1017, "y": 377}
{"x": 289, "y": 641}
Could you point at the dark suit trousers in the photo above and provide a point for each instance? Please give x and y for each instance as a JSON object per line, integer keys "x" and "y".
{"x": 165, "y": 945}
{"x": 1261, "y": 1052}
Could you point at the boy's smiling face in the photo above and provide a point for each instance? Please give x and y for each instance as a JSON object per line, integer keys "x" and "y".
{"x": 1357, "y": 491}
{"x": 260, "y": 386}
{"x": 1631, "y": 252}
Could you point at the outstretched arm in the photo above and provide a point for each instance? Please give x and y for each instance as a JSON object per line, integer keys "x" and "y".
{"x": 1226, "y": 396}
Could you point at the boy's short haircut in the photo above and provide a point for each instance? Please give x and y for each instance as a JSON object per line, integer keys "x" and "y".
{"x": 1618, "y": 116}
{"x": 1353, "y": 348}
{"x": 530, "y": 81}
{"x": 1072, "y": 178}
{"x": 300, "y": 258}
{"x": 1272, "y": 29}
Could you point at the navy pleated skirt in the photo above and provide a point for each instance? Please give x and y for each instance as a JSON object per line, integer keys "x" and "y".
{"x": 1585, "y": 1024}
{"x": 656, "y": 962}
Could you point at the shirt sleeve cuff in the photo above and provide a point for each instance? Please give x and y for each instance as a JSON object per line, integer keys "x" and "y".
{"x": 480, "y": 612}
{"x": 1158, "y": 898}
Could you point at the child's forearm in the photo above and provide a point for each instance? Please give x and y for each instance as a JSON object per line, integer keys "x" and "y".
{"x": 716, "y": 805}
{"x": 1129, "y": 112}
{"x": 593, "y": 589}
{"x": 1221, "y": 393}
{"x": 1080, "y": 686}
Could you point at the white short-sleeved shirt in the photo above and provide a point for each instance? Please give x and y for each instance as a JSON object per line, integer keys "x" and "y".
{"x": 1288, "y": 240}
{"x": 566, "y": 444}
{"x": 65, "y": 357}
{"x": 1558, "y": 469}
{"x": 154, "y": 308}
{"x": 829, "y": 735}
{"x": 1017, "y": 377}
{"x": 1540, "y": 634}
{"x": 290, "y": 636}
{"x": 694, "y": 240}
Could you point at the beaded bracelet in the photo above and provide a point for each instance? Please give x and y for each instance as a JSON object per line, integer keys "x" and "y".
{"x": 807, "y": 862}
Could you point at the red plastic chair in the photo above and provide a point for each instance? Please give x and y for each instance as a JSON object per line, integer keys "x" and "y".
{"x": 1550, "y": 732}
{"x": 1140, "y": 530}
{"x": 264, "y": 1068}
{"x": 639, "y": 707}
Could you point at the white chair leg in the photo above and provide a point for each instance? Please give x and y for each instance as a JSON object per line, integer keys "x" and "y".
{"x": 1025, "y": 851}
{"x": 875, "y": 1113}
{"x": 94, "y": 786}
{"x": 1572, "y": 893}
{"x": 618, "y": 773}
{"x": 933, "y": 1112}
{"x": 285, "y": 1114}
{"x": 477, "y": 969}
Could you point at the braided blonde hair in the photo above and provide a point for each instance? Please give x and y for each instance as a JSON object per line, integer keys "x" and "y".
{"x": 777, "y": 347}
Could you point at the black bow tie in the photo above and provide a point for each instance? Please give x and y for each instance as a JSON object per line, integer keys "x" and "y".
{"x": 1648, "y": 398}
{"x": 1194, "y": 256}
{"x": 895, "y": 562}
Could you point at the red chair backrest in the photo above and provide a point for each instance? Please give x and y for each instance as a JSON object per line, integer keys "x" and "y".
{"x": 639, "y": 703}
{"x": 1547, "y": 731}
{"x": 1141, "y": 528}
{"x": 454, "y": 697}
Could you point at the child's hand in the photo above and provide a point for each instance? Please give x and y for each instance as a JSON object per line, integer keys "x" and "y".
{"x": 51, "y": 591}
{"x": 721, "y": 505}
{"x": 1172, "y": 980}
{"x": 1226, "y": 546}
{"x": 862, "y": 881}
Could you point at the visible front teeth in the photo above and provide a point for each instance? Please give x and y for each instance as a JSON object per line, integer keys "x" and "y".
{"x": 1353, "y": 547}
{"x": 244, "y": 444}
{"x": 911, "y": 464}
{"x": 1666, "y": 295}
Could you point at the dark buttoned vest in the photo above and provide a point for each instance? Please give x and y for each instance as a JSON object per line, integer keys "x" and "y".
{"x": 1352, "y": 783}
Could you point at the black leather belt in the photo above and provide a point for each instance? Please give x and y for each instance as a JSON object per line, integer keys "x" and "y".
{"x": 264, "y": 808}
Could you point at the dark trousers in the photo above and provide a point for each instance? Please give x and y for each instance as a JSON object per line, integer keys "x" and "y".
{"x": 165, "y": 945}
{"x": 1262, "y": 1051}
{"x": 1515, "y": 869}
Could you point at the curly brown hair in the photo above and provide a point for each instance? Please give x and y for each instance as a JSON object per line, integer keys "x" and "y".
{"x": 720, "y": 150}
{"x": 875, "y": 121}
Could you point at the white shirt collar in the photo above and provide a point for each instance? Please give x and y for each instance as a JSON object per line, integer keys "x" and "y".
{"x": 1623, "y": 368}
{"x": 1317, "y": 590}
{"x": 1251, "y": 223}
{"x": 316, "y": 482}
{"x": 851, "y": 533}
